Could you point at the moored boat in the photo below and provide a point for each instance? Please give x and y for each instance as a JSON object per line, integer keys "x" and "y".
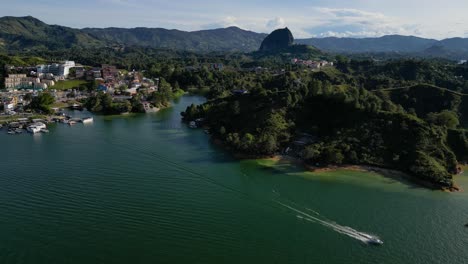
{"x": 33, "y": 129}
{"x": 36, "y": 127}
{"x": 88, "y": 119}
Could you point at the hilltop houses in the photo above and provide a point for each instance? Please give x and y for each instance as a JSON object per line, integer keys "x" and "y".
{"x": 311, "y": 64}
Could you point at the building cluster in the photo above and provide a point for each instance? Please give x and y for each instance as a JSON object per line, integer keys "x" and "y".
{"x": 22, "y": 81}
{"x": 311, "y": 63}
{"x": 11, "y": 101}
{"x": 40, "y": 77}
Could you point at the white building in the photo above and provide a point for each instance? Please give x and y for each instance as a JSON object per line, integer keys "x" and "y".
{"x": 62, "y": 69}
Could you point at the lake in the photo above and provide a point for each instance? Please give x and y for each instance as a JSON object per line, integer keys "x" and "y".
{"x": 148, "y": 189}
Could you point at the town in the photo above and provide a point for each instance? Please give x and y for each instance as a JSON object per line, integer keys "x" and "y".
{"x": 70, "y": 84}
{"x": 76, "y": 86}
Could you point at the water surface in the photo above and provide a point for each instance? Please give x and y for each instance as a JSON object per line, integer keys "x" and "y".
{"x": 147, "y": 189}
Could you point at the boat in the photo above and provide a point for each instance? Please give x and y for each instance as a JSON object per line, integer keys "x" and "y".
{"x": 18, "y": 131}
{"x": 33, "y": 129}
{"x": 71, "y": 122}
{"x": 44, "y": 130}
{"x": 36, "y": 127}
{"x": 76, "y": 106}
{"x": 193, "y": 124}
{"x": 373, "y": 240}
{"x": 87, "y": 120}
{"x": 11, "y": 132}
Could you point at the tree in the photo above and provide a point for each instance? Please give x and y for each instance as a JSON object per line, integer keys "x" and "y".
{"x": 42, "y": 103}
{"x": 446, "y": 118}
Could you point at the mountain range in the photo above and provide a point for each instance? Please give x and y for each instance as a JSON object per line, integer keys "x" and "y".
{"x": 26, "y": 33}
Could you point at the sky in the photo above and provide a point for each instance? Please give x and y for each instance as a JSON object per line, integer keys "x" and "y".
{"x": 305, "y": 18}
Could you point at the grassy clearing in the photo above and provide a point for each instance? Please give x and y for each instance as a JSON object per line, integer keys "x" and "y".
{"x": 68, "y": 84}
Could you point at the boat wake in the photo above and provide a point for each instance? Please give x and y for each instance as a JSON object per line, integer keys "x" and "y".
{"x": 345, "y": 230}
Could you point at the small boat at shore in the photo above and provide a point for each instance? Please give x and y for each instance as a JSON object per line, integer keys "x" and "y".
{"x": 44, "y": 130}
{"x": 36, "y": 127}
{"x": 87, "y": 120}
{"x": 11, "y": 132}
{"x": 72, "y": 122}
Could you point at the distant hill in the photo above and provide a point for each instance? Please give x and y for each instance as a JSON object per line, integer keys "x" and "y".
{"x": 453, "y": 48}
{"x": 26, "y": 33}
{"x": 390, "y": 43}
{"x": 456, "y": 48}
{"x": 222, "y": 39}
{"x": 19, "y": 33}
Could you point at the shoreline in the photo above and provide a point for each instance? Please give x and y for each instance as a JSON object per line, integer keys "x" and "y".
{"x": 385, "y": 172}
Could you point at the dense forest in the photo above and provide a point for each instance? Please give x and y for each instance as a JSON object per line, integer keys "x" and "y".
{"x": 406, "y": 114}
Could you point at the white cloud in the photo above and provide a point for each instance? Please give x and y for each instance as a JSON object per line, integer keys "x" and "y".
{"x": 277, "y": 22}
{"x": 345, "y": 22}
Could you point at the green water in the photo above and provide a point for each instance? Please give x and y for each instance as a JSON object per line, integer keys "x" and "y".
{"x": 146, "y": 189}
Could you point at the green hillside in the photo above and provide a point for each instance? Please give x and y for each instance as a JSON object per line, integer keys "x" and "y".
{"x": 19, "y": 33}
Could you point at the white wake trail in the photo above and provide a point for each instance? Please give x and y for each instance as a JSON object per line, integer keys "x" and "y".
{"x": 345, "y": 230}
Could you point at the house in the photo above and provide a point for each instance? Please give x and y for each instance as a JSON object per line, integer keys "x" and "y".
{"x": 93, "y": 74}
{"x": 80, "y": 72}
{"x": 102, "y": 87}
{"x": 109, "y": 72}
{"x": 20, "y": 81}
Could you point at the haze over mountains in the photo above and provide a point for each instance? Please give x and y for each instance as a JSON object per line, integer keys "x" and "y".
{"x": 20, "y": 33}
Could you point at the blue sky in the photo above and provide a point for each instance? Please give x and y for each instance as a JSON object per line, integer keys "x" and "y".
{"x": 306, "y": 18}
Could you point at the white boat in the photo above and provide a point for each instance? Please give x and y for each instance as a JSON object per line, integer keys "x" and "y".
{"x": 36, "y": 127}
{"x": 373, "y": 240}
{"x": 87, "y": 120}
{"x": 72, "y": 122}
{"x": 44, "y": 130}
{"x": 33, "y": 129}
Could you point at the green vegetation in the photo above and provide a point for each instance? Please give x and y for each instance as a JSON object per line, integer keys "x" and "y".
{"x": 351, "y": 116}
{"x": 42, "y": 103}
{"x": 103, "y": 103}
{"x": 70, "y": 84}
{"x": 28, "y": 33}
